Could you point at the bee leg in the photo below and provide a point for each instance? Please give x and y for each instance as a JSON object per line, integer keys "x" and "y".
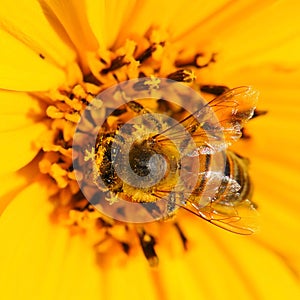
{"x": 148, "y": 242}
{"x": 182, "y": 235}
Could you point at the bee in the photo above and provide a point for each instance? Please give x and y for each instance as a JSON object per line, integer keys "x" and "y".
{"x": 176, "y": 164}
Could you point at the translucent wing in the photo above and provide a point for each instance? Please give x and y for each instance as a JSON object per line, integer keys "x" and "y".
{"x": 233, "y": 109}
{"x": 239, "y": 218}
{"x": 215, "y": 125}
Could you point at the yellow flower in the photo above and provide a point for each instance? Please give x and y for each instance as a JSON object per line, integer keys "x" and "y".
{"x": 54, "y": 54}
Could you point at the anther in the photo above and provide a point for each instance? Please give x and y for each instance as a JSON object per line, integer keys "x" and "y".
{"x": 216, "y": 90}
{"x": 182, "y": 75}
{"x": 116, "y": 63}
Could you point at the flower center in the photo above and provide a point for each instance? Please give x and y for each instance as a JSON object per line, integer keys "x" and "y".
{"x": 149, "y": 56}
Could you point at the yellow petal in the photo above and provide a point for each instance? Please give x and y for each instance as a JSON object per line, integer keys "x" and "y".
{"x": 41, "y": 259}
{"x": 240, "y": 30}
{"x": 230, "y": 266}
{"x": 268, "y": 77}
{"x": 14, "y": 183}
{"x": 279, "y": 206}
{"x": 116, "y": 13}
{"x": 190, "y": 14}
{"x": 138, "y": 17}
{"x": 72, "y": 15}
{"x": 97, "y": 14}
{"x": 22, "y": 69}
{"x": 273, "y": 136}
{"x": 18, "y": 110}
{"x": 260, "y": 267}
{"x": 51, "y": 42}
{"x": 19, "y": 147}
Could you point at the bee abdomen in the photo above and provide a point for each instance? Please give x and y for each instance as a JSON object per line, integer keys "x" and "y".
{"x": 236, "y": 184}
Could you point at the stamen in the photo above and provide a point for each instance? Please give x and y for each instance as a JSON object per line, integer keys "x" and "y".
{"x": 216, "y": 90}
{"x": 196, "y": 61}
{"x": 148, "y": 242}
{"x": 148, "y": 52}
{"x": 183, "y": 238}
{"x": 182, "y": 75}
{"x": 116, "y": 63}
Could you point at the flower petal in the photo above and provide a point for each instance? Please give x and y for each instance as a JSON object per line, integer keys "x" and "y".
{"x": 229, "y": 266}
{"x": 243, "y": 31}
{"x": 19, "y": 110}
{"x": 22, "y": 69}
{"x": 72, "y": 15}
{"x": 39, "y": 259}
{"x": 188, "y": 15}
{"x": 13, "y": 183}
{"x": 259, "y": 266}
{"x": 273, "y": 136}
{"x": 97, "y": 14}
{"x": 19, "y": 147}
{"x": 52, "y": 43}
{"x": 133, "y": 23}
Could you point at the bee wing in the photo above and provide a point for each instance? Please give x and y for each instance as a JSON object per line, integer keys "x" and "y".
{"x": 233, "y": 109}
{"x": 218, "y": 123}
{"x": 239, "y": 218}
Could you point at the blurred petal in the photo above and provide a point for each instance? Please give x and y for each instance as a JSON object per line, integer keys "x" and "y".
{"x": 72, "y": 15}
{"x": 139, "y": 23}
{"x": 191, "y": 13}
{"x": 97, "y": 15}
{"x": 274, "y": 150}
{"x": 19, "y": 146}
{"x": 240, "y": 30}
{"x": 14, "y": 183}
{"x": 19, "y": 110}
{"x": 40, "y": 260}
{"x": 259, "y": 267}
{"x": 52, "y": 43}
{"x": 22, "y": 69}
{"x": 208, "y": 274}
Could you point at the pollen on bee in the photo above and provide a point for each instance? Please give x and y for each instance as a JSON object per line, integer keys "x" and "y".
{"x": 153, "y": 83}
{"x": 89, "y": 155}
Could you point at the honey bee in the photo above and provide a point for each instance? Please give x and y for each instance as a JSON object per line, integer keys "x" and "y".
{"x": 182, "y": 161}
